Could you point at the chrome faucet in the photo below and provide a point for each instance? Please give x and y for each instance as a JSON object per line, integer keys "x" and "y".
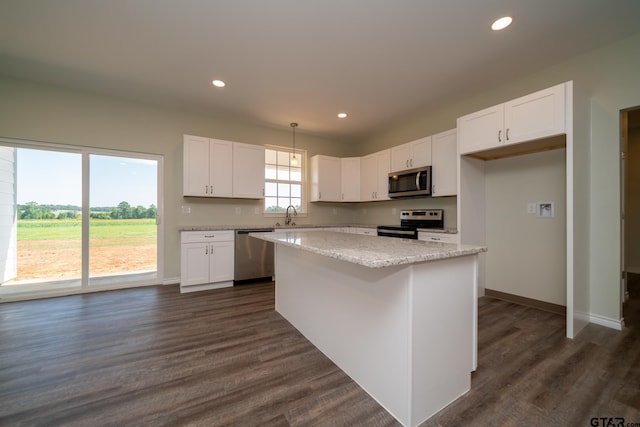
{"x": 287, "y": 215}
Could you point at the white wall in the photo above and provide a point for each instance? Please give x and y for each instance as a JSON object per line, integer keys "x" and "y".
{"x": 527, "y": 254}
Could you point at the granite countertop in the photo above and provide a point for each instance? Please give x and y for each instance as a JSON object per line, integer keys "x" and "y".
{"x": 279, "y": 227}
{"x": 299, "y": 227}
{"x": 369, "y": 251}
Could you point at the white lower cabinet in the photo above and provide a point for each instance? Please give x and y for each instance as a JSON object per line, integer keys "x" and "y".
{"x": 438, "y": 237}
{"x": 206, "y": 260}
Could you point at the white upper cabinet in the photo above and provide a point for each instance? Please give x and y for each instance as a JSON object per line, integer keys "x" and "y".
{"x": 218, "y": 168}
{"x": 444, "y": 150}
{"x": 248, "y": 171}
{"x": 350, "y": 179}
{"x": 534, "y": 116}
{"x": 326, "y": 184}
{"x": 195, "y": 180}
{"x": 207, "y": 167}
{"x": 411, "y": 155}
{"x": 538, "y": 115}
{"x": 221, "y": 168}
{"x": 374, "y": 176}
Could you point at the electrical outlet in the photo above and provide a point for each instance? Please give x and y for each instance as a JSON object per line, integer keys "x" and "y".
{"x": 364, "y": 211}
{"x": 256, "y": 211}
{"x": 335, "y": 211}
{"x": 393, "y": 211}
{"x": 238, "y": 210}
{"x": 186, "y": 209}
{"x": 531, "y": 207}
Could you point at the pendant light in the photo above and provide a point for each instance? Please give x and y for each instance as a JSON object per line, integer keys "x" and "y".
{"x": 294, "y": 159}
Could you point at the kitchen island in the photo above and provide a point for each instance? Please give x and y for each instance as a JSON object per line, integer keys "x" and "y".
{"x": 398, "y": 316}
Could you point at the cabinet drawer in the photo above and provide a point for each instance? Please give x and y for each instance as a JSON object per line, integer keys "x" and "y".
{"x": 207, "y": 236}
{"x": 438, "y": 237}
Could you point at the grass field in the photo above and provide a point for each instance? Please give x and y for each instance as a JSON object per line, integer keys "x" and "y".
{"x": 52, "y": 249}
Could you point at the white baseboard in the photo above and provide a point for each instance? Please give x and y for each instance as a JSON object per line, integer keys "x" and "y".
{"x": 606, "y": 321}
{"x": 171, "y": 281}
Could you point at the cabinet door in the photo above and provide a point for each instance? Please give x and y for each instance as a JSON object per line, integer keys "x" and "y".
{"x": 221, "y": 262}
{"x": 445, "y": 163}
{"x": 368, "y": 177}
{"x": 420, "y": 153}
{"x": 194, "y": 263}
{"x": 350, "y": 179}
{"x": 221, "y": 168}
{"x": 325, "y": 179}
{"x": 538, "y": 115}
{"x": 401, "y": 157}
{"x": 195, "y": 166}
{"x": 481, "y": 130}
{"x": 382, "y": 177}
{"x": 248, "y": 171}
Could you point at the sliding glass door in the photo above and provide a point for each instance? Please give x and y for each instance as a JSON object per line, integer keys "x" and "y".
{"x": 74, "y": 219}
{"x": 122, "y": 217}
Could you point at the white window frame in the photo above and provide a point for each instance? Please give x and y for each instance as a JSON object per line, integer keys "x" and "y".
{"x": 302, "y": 154}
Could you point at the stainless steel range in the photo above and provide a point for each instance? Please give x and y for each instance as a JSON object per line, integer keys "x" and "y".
{"x": 411, "y": 220}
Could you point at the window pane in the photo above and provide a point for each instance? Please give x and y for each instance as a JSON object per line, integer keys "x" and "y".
{"x": 270, "y": 172}
{"x": 296, "y": 174}
{"x": 283, "y": 202}
{"x": 296, "y": 203}
{"x": 270, "y": 189}
{"x": 283, "y": 158}
{"x": 283, "y": 190}
{"x": 270, "y": 156}
{"x": 270, "y": 204}
{"x": 296, "y": 190}
{"x": 283, "y": 173}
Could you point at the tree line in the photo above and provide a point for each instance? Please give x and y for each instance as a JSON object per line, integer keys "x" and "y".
{"x": 124, "y": 210}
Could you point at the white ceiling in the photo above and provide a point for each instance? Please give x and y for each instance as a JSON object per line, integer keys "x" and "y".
{"x": 299, "y": 60}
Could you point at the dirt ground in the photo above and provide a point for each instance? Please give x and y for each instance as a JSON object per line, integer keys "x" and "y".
{"x": 66, "y": 263}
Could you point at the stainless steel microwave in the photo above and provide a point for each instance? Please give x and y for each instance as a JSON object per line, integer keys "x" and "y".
{"x": 410, "y": 183}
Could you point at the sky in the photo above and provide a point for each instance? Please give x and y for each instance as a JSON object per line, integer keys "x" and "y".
{"x": 55, "y": 178}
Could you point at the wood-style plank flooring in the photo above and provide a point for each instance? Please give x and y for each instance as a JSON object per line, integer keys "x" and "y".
{"x": 151, "y": 356}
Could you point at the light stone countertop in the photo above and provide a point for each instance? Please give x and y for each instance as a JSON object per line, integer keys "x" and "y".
{"x": 369, "y": 251}
{"x": 298, "y": 227}
{"x": 276, "y": 228}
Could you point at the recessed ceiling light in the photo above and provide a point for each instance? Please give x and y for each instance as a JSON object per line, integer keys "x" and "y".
{"x": 219, "y": 83}
{"x": 342, "y": 115}
{"x": 501, "y": 23}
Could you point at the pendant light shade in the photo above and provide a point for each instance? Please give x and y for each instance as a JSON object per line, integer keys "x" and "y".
{"x": 294, "y": 160}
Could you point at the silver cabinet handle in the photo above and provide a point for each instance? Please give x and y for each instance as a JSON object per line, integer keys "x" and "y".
{"x": 411, "y": 162}
{"x": 507, "y": 134}
{"x": 206, "y": 250}
{"x": 376, "y": 194}
{"x": 373, "y": 194}
{"x": 342, "y": 196}
{"x": 206, "y": 189}
{"x": 407, "y": 163}
{"x": 499, "y": 136}
{"x": 209, "y": 236}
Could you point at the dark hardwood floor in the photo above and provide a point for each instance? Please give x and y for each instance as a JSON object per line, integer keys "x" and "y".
{"x": 151, "y": 356}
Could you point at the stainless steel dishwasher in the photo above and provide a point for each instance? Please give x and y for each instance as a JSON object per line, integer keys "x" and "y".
{"x": 254, "y": 257}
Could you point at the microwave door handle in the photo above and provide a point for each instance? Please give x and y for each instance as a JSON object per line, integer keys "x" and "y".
{"x": 418, "y": 180}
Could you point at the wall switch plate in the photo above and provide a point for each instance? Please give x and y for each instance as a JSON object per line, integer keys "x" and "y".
{"x": 531, "y": 208}
{"x": 186, "y": 209}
